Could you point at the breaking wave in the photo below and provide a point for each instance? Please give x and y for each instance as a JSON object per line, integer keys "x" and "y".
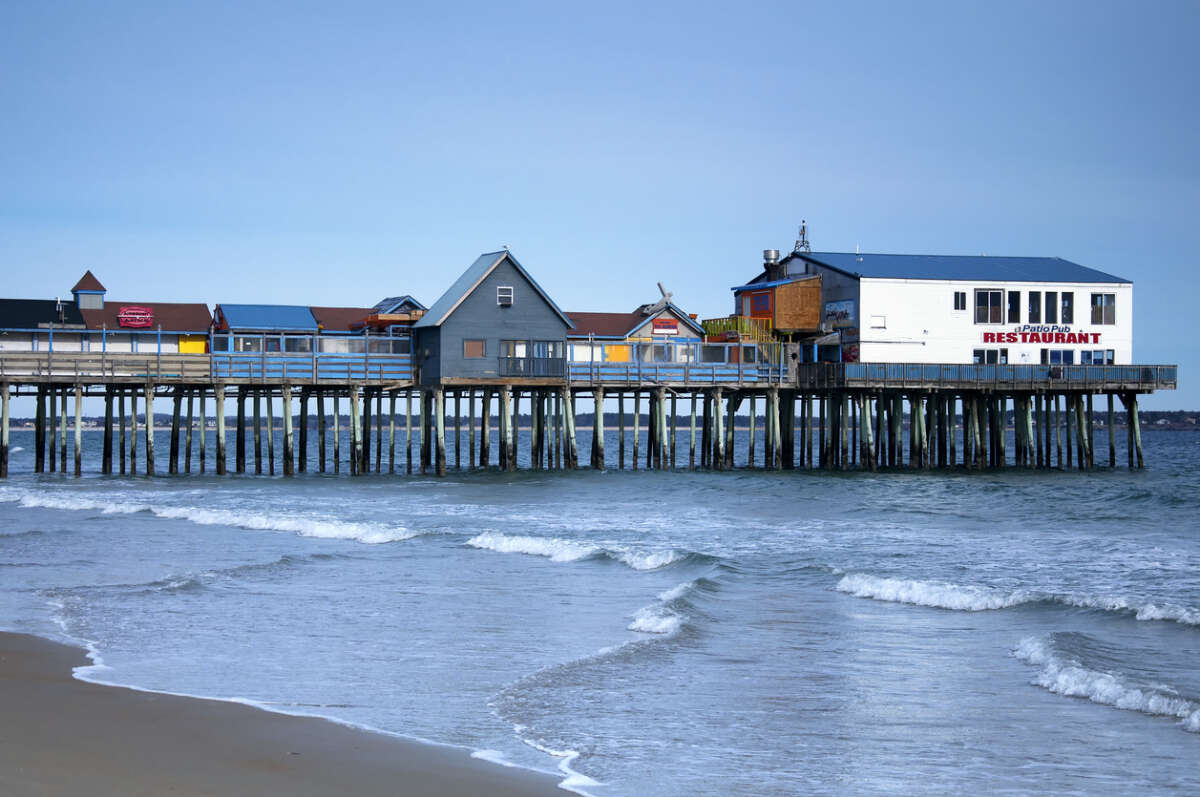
{"x": 1064, "y": 674}
{"x": 969, "y": 598}
{"x": 304, "y": 525}
{"x": 559, "y": 550}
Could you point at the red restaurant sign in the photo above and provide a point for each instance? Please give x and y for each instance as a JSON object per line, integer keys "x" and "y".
{"x": 135, "y": 316}
{"x": 664, "y": 326}
{"x": 1041, "y": 337}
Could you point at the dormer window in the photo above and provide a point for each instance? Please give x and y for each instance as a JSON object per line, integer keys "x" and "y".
{"x": 504, "y": 295}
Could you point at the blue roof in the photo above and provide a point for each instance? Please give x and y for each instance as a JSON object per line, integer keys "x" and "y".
{"x": 390, "y": 304}
{"x": 280, "y": 317}
{"x": 469, "y": 280}
{"x": 976, "y": 268}
{"x": 758, "y": 285}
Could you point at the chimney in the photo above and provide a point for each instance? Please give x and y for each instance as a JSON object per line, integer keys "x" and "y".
{"x": 771, "y": 264}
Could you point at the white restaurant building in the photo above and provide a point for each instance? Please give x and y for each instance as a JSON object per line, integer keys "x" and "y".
{"x": 964, "y": 309}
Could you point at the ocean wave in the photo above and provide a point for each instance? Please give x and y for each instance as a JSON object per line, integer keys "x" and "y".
{"x": 1065, "y": 675}
{"x": 304, "y": 525}
{"x": 559, "y": 550}
{"x": 970, "y": 598}
{"x": 938, "y": 594}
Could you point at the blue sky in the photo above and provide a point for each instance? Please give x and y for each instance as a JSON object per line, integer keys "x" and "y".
{"x": 311, "y": 154}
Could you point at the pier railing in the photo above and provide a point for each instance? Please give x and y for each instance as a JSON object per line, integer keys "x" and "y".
{"x": 270, "y": 367}
{"x": 676, "y": 362}
{"x": 819, "y": 376}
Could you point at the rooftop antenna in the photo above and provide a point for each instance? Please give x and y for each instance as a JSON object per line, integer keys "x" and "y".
{"x": 802, "y": 241}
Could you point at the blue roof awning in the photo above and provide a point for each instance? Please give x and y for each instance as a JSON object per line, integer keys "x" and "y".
{"x": 268, "y": 317}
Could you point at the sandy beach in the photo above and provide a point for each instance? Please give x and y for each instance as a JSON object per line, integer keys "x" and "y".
{"x": 62, "y": 736}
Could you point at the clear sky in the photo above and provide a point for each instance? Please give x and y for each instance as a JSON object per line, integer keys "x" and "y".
{"x": 322, "y": 153}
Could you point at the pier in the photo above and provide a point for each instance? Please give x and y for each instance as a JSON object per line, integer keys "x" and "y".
{"x": 815, "y": 415}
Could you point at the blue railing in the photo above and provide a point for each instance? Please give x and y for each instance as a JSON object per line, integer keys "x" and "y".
{"x": 827, "y": 375}
{"x": 687, "y": 362}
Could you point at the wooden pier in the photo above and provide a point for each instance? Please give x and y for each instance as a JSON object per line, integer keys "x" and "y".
{"x": 823, "y": 416}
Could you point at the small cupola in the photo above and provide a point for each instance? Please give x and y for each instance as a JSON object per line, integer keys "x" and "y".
{"x": 88, "y": 292}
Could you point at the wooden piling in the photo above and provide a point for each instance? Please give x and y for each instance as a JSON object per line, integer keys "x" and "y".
{"x": 1057, "y": 406}
{"x": 439, "y": 420}
{"x": 514, "y": 439}
{"x": 752, "y": 435}
{"x": 692, "y": 443}
{"x": 485, "y": 430}
{"x": 78, "y": 431}
{"x": 637, "y": 424}
{"x": 718, "y": 434}
{"x": 364, "y": 433}
{"x": 121, "y": 428}
{"x": 1112, "y": 434}
{"x": 1091, "y": 431}
{"x": 270, "y": 433}
{"x": 133, "y": 432}
{"x": 621, "y": 430}
{"x": 176, "y": 411}
{"x": 187, "y": 445}
{"x": 392, "y": 431}
{"x": 4, "y": 398}
{"x": 62, "y": 449}
{"x": 39, "y": 432}
{"x": 1137, "y": 429}
{"x": 471, "y": 429}
{"x": 674, "y": 425}
{"x": 4, "y": 425}
{"x": 1068, "y": 408}
{"x": 457, "y": 430}
{"x": 106, "y": 455}
{"x": 598, "y": 429}
{"x": 337, "y": 434}
{"x": 302, "y": 421}
{"x": 572, "y": 452}
{"x": 408, "y": 431}
{"x": 148, "y": 400}
{"x": 203, "y": 430}
{"x": 731, "y": 407}
{"x": 54, "y": 431}
{"x": 356, "y": 452}
{"x": 322, "y": 429}
{"x": 505, "y": 426}
{"x": 378, "y": 431}
{"x": 559, "y": 430}
{"x": 285, "y": 409}
{"x": 239, "y": 432}
{"x": 653, "y": 447}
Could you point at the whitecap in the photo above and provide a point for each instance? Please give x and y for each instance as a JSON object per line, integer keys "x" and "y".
{"x": 1069, "y": 677}
{"x": 937, "y": 594}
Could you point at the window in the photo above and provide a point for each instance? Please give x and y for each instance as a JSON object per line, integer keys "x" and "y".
{"x": 504, "y": 295}
{"x": 1051, "y": 307}
{"x": 474, "y": 349}
{"x": 1068, "y": 307}
{"x": 987, "y": 307}
{"x": 512, "y": 348}
{"x": 1035, "y": 307}
{"x": 960, "y": 300}
{"x": 548, "y": 348}
{"x": 1014, "y": 307}
{"x": 1104, "y": 308}
{"x": 1108, "y": 357}
{"x": 1058, "y": 356}
{"x": 990, "y": 356}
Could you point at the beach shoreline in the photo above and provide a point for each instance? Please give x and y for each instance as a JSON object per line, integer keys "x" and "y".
{"x": 63, "y": 736}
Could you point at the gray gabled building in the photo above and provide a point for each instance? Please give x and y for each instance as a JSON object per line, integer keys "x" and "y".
{"x": 494, "y": 323}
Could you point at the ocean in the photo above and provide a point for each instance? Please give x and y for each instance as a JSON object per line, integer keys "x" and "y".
{"x": 658, "y": 633}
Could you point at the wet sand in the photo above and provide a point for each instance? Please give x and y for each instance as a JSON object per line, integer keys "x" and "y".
{"x": 62, "y": 736}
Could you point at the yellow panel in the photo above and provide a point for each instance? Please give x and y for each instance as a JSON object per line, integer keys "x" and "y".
{"x": 193, "y": 344}
{"x": 616, "y": 354}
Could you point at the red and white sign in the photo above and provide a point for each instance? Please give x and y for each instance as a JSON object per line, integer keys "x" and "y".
{"x": 1059, "y": 335}
{"x": 135, "y": 316}
{"x": 664, "y": 326}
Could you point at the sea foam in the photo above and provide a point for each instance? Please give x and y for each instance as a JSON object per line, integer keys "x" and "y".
{"x": 1067, "y": 676}
{"x": 938, "y": 594}
{"x": 560, "y": 550}
{"x": 969, "y": 598}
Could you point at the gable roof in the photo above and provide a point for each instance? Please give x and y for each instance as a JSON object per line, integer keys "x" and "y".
{"x": 340, "y": 319}
{"x": 469, "y": 280}
{"x": 172, "y": 316}
{"x": 88, "y": 283}
{"x": 622, "y": 325}
{"x": 267, "y": 317}
{"x": 390, "y": 304}
{"x": 29, "y": 313}
{"x": 977, "y": 268}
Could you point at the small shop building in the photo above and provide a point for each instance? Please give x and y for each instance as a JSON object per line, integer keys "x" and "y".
{"x": 494, "y": 322}
{"x": 658, "y": 332}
